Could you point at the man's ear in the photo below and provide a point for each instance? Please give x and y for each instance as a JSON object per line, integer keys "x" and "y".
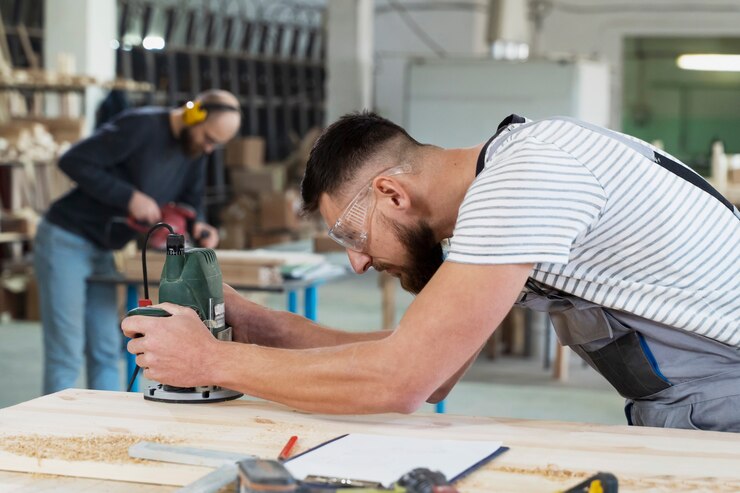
{"x": 391, "y": 192}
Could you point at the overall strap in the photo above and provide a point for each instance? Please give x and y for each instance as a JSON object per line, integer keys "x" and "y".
{"x": 501, "y": 127}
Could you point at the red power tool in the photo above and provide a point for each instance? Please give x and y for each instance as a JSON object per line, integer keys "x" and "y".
{"x": 180, "y": 216}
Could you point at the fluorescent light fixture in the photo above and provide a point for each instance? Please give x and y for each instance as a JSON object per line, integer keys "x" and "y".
{"x": 523, "y": 51}
{"x": 131, "y": 39}
{"x": 509, "y": 50}
{"x": 710, "y": 62}
{"x": 153, "y": 43}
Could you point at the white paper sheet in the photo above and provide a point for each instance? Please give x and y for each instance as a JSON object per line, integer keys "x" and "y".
{"x": 385, "y": 458}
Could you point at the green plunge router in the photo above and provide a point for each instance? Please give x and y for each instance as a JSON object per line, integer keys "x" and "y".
{"x": 190, "y": 277}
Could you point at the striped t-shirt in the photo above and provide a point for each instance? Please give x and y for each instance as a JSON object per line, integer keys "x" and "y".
{"x": 601, "y": 220}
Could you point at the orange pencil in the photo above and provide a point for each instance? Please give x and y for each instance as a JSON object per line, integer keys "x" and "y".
{"x": 285, "y": 453}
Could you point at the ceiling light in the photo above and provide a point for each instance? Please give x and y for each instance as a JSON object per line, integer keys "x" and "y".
{"x": 709, "y": 62}
{"x": 153, "y": 43}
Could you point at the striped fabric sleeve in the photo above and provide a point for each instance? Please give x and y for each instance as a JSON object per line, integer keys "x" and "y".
{"x": 532, "y": 204}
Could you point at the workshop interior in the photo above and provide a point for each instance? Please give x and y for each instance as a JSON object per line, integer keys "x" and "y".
{"x": 156, "y": 158}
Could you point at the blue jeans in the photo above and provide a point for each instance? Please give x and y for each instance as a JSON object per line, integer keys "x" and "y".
{"x": 79, "y": 319}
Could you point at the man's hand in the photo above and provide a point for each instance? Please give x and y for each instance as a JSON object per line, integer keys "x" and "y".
{"x": 144, "y": 208}
{"x": 210, "y": 239}
{"x": 174, "y": 350}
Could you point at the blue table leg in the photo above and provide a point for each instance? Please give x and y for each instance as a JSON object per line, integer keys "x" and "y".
{"x": 310, "y": 301}
{"x": 440, "y": 407}
{"x": 132, "y": 301}
{"x": 292, "y": 302}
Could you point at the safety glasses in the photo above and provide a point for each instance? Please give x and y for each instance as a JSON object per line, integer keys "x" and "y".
{"x": 351, "y": 228}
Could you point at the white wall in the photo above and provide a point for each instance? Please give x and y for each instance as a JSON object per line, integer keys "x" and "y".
{"x": 591, "y": 32}
{"x": 456, "y": 29}
{"x": 592, "y": 28}
{"x": 460, "y": 102}
{"x": 84, "y": 29}
{"x": 349, "y": 57}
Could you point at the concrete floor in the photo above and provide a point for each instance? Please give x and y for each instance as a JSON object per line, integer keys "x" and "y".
{"x": 506, "y": 387}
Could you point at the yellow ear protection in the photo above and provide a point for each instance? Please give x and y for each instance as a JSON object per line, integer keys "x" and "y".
{"x": 196, "y": 112}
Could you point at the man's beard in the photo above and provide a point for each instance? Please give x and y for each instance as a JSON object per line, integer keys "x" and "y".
{"x": 188, "y": 145}
{"x": 424, "y": 255}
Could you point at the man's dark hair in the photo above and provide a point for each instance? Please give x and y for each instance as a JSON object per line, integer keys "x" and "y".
{"x": 342, "y": 149}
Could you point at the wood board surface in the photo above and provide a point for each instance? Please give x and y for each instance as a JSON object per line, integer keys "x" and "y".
{"x": 543, "y": 456}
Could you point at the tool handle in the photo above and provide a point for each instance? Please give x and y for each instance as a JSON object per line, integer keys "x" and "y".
{"x": 148, "y": 311}
{"x": 602, "y": 482}
{"x": 264, "y": 475}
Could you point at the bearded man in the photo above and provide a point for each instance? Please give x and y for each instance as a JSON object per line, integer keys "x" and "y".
{"x": 635, "y": 257}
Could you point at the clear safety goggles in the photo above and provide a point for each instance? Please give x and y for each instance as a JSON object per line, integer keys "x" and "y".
{"x": 351, "y": 228}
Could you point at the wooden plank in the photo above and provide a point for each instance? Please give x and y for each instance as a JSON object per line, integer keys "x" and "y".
{"x": 544, "y": 455}
{"x": 11, "y": 237}
{"x": 562, "y": 360}
{"x": 15, "y": 482}
{"x": 388, "y": 300}
{"x": 240, "y": 267}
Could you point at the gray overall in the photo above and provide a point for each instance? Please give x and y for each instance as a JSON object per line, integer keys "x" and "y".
{"x": 670, "y": 377}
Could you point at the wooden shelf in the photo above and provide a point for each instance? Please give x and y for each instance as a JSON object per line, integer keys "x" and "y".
{"x": 14, "y": 237}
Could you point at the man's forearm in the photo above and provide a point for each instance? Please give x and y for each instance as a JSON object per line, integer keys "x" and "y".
{"x": 278, "y": 329}
{"x": 308, "y": 379}
{"x": 291, "y": 331}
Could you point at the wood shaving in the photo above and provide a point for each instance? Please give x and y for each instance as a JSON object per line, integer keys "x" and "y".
{"x": 551, "y": 471}
{"x": 674, "y": 484}
{"x": 101, "y": 448}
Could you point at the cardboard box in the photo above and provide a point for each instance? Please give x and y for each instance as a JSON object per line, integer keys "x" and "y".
{"x": 239, "y": 219}
{"x": 279, "y": 211}
{"x": 245, "y": 152}
{"x": 260, "y": 240}
{"x": 322, "y": 244}
{"x": 236, "y": 268}
{"x": 268, "y": 179}
{"x": 234, "y": 236}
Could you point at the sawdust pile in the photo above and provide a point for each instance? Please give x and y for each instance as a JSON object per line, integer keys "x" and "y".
{"x": 100, "y": 448}
{"x": 669, "y": 483}
{"x": 551, "y": 471}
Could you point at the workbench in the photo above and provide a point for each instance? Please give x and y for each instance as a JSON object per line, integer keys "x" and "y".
{"x": 544, "y": 456}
